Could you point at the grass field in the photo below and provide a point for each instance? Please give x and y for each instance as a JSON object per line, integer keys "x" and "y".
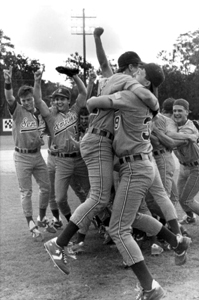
{"x": 27, "y": 273}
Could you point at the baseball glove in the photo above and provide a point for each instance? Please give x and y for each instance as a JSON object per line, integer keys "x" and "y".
{"x": 67, "y": 71}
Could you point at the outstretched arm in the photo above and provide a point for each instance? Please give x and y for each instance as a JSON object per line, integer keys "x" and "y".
{"x": 8, "y": 86}
{"x": 39, "y": 103}
{"x": 92, "y": 77}
{"x": 147, "y": 97}
{"x": 101, "y": 56}
{"x": 82, "y": 92}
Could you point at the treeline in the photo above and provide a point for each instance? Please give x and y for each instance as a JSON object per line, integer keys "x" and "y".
{"x": 181, "y": 68}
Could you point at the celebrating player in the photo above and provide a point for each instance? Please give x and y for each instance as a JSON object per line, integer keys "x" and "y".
{"x": 27, "y": 156}
{"x": 63, "y": 127}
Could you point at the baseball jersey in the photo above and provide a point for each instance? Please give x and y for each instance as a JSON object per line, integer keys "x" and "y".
{"x": 27, "y": 128}
{"x": 61, "y": 127}
{"x": 164, "y": 124}
{"x": 132, "y": 125}
{"x": 189, "y": 152}
{"x": 103, "y": 119}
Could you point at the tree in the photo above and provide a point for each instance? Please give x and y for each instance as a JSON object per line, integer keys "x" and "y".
{"x": 185, "y": 54}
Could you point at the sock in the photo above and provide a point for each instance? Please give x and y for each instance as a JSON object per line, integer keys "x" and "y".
{"x": 66, "y": 235}
{"x": 144, "y": 276}
{"x": 29, "y": 219}
{"x": 190, "y": 214}
{"x": 80, "y": 237}
{"x": 55, "y": 213}
{"x": 68, "y": 217}
{"x": 174, "y": 226}
{"x": 168, "y": 236}
{"x": 31, "y": 224}
{"x": 42, "y": 213}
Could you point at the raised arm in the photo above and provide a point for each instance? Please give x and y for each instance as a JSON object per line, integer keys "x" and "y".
{"x": 8, "y": 86}
{"x": 101, "y": 56}
{"x": 91, "y": 80}
{"x": 82, "y": 92}
{"x": 39, "y": 103}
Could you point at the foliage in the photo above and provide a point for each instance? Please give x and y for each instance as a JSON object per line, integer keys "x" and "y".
{"x": 185, "y": 53}
{"x": 22, "y": 73}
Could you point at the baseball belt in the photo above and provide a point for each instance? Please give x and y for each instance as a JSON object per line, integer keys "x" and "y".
{"x": 74, "y": 154}
{"x": 191, "y": 164}
{"x": 161, "y": 151}
{"x": 24, "y": 151}
{"x": 104, "y": 133}
{"x": 132, "y": 158}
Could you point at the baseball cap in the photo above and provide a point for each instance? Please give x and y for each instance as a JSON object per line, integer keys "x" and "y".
{"x": 61, "y": 91}
{"x": 182, "y": 102}
{"x": 167, "y": 105}
{"x": 128, "y": 58}
{"x": 154, "y": 73}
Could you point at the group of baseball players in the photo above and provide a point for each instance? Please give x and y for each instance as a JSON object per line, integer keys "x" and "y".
{"x": 128, "y": 144}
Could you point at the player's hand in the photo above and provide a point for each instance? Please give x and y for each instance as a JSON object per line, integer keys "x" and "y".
{"x": 92, "y": 76}
{"x": 8, "y": 75}
{"x": 98, "y": 31}
{"x": 193, "y": 138}
{"x": 38, "y": 75}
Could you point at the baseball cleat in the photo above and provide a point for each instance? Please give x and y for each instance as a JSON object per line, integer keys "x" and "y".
{"x": 36, "y": 234}
{"x": 58, "y": 255}
{"x": 188, "y": 220}
{"x": 98, "y": 31}
{"x": 78, "y": 248}
{"x": 156, "y": 250}
{"x": 181, "y": 249}
{"x": 45, "y": 223}
{"x": 58, "y": 224}
{"x": 156, "y": 293}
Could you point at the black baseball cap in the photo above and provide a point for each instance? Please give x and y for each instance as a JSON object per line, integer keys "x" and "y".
{"x": 167, "y": 105}
{"x": 154, "y": 74}
{"x": 128, "y": 58}
{"x": 182, "y": 102}
{"x": 61, "y": 91}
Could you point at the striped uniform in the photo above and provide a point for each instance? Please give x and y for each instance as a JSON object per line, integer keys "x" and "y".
{"x": 188, "y": 180}
{"x": 68, "y": 160}
{"x": 96, "y": 150}
{"x": 158, "y": 199}
{"x": 132, "y": 128}
{"x": 27, "y": 133}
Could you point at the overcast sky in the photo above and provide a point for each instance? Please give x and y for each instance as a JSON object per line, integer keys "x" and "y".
{"x": 41, "y": 29}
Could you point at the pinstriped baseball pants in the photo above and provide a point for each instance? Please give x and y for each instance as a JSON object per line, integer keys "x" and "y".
{"x": 97, "y": 154}
{"x": 28, "y": 165}
{"x": 135, "y": 180}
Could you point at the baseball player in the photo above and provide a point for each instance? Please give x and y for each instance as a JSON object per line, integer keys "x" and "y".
{"x": 188, "y": 155}
{"x": 96, "y": 150}
{"x": 27, "y": 156}
{"x": 63, "y": 127}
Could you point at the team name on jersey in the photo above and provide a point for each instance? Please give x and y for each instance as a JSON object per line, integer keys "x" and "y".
{"x": 65, "y": 123}
{"x": 27, "y": 126}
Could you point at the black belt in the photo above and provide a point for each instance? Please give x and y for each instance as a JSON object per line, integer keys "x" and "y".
{"x": 191, "y": 164}
{"x": 161, "y": 151}
{"x": 74, "y": 154}
{"x": 26, "y": 150}
{"x": 104, "y": 133}
{"x": 132, "y": 158}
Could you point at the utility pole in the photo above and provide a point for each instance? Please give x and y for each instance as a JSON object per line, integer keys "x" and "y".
{"x": 84, "y": 30}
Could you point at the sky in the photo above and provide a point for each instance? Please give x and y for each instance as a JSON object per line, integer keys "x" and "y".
{"x": 42, "y": 29}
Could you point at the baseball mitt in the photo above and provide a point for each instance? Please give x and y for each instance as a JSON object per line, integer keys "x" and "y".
{"x": 67, "y": 71}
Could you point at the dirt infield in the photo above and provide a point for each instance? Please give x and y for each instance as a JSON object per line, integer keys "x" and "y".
{"x": 26, "y": 272}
